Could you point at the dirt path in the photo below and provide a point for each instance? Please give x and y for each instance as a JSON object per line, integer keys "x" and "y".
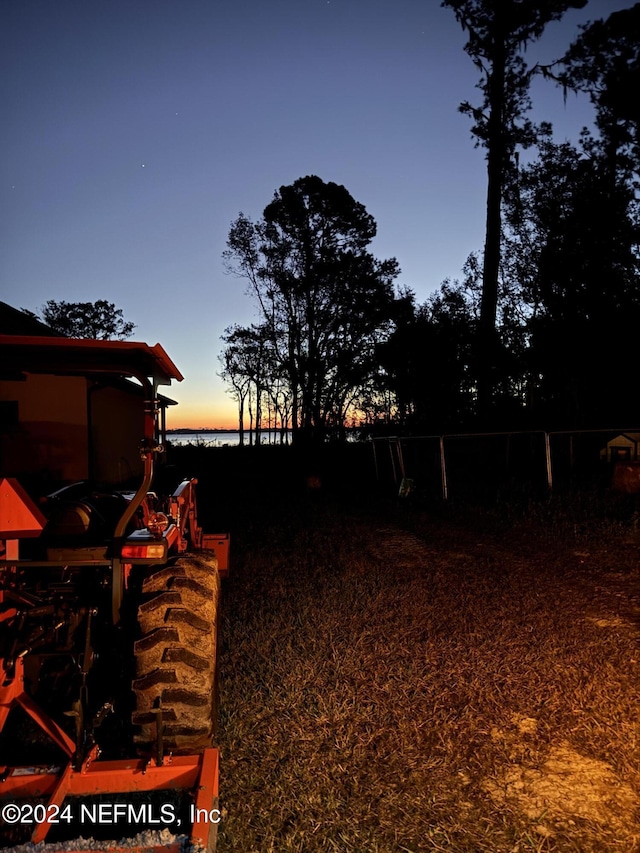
{"x": 406, "y": 684}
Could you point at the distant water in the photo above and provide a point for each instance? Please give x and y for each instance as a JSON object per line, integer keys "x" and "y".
{"x": 218, "y": 439}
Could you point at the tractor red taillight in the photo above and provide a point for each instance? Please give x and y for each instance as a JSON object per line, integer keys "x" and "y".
{"x": 156, "y": 551}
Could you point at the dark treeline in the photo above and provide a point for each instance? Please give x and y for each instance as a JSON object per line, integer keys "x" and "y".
{"x": 542, "y": 330}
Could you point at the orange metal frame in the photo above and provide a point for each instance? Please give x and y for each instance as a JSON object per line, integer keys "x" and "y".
{"x": 196, "y": 773}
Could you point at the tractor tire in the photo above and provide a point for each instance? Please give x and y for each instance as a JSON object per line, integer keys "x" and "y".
{"x": 175, "y": 656}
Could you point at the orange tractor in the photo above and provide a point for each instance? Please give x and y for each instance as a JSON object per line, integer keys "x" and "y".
{"x": 108, "y": 606}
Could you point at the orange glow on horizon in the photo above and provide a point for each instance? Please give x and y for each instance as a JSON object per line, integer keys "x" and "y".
{"x": 188, "y": 415}
{"x": 197, "y": 422}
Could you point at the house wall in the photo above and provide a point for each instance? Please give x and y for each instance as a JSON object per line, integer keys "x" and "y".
{"x": 43, "y": 434}
{"x": 56, "y": 430}
{"x": 117, "y": 424}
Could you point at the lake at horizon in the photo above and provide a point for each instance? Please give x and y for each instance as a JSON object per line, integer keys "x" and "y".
{"x": 220, "y": 438}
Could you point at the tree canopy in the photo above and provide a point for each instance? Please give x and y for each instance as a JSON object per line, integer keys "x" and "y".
{"x": 499, "y": 31}
{"x": 567, "y": 287}
{"x": 325, "y": 302}
{"x": 604, "y": 62}
{"x": 100, "y": 320}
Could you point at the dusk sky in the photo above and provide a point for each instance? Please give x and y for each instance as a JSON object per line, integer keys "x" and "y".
{"x": 135, "y": 131}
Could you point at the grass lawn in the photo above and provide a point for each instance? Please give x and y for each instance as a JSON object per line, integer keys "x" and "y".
{"x": 396, "y": 680}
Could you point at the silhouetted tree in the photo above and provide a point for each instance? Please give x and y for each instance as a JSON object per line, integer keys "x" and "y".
{"x": 499, "y": 31}
{"x": 100, "y": 320}
{"x": 325, "y": 301}
{"x": 246, "y": 365}
{"x": 574, "y": 247}
{"x": 428, "y": 361}
{"x": 604, "y": 62}
{"x": 233, "y": 371}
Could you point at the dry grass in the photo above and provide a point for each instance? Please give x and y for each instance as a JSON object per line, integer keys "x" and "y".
{"x": 436, "y": 689}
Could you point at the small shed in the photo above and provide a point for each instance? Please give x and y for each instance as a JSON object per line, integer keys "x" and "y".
{"x": 623, "y": 448}
{"x": 70, "y": 409}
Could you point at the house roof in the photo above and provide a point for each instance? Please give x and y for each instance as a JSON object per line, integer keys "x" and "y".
{"x": 79, "y": 356}
{"x": 16, "y": 322}
{"x": 631, "y": 437}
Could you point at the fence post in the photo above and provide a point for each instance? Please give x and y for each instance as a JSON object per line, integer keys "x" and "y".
{"x": 400, "y": 458}
{"x": 393, "y": 462}
{"x": 443, "y": 471}
{"x": 547, "y": 450}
